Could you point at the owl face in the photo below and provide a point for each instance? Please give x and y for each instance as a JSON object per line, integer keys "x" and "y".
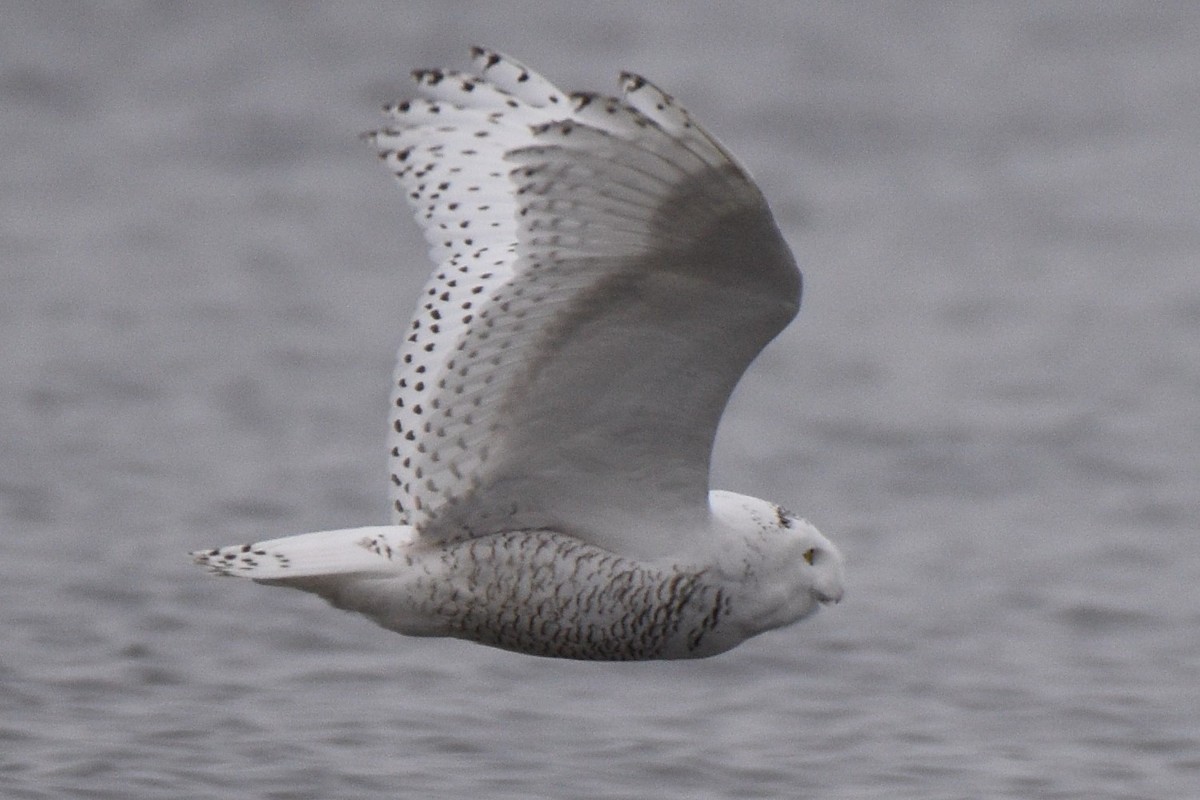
{"x": 792, "y": 567}
{"x": 821, "y": 564}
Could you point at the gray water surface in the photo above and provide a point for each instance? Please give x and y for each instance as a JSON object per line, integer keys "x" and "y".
{"x": 991, "y": 401}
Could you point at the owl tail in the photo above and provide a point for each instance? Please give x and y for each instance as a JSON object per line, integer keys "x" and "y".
{"x": 379, "y": 550}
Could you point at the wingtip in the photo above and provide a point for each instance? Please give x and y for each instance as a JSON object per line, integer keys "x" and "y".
{"x": 486, "y": 55}
{"x": 631, "y": 81}
{"x": 428, "y": 77}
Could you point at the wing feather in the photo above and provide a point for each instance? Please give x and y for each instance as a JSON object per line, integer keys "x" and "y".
{"x": 513, "y": 77}
{"x": 606, "y": 274}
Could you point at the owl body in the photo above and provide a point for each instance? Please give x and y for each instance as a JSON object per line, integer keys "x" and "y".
{"x": 606, "y": 272}
{"x": 548, "y": 593}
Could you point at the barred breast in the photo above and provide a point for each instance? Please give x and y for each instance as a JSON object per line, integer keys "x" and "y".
{"x": 544, "y": 593}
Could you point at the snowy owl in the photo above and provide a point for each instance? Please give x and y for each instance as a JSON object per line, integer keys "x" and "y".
{"x": 605, "y": 274}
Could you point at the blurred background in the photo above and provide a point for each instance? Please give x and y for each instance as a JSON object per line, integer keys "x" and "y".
{"x": 990, "y": 401}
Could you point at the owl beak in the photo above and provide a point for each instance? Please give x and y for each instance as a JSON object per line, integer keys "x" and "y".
{"x": 826, "y": 597}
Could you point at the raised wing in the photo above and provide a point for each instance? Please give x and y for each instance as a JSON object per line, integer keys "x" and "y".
{"x": 606, "y": 274}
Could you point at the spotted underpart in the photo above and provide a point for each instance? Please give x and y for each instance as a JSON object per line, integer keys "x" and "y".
{"x": 537, "y": 592}
{"x": 542, "y": 593}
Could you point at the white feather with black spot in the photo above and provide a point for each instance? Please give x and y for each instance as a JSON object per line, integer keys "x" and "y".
{"x": 606, "y": 272}
{"x": 537, "y": 206}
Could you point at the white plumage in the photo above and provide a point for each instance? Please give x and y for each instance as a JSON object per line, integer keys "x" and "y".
{"x": 606, "y": 272}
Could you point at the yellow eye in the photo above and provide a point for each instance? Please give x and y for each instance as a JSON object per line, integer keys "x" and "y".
{"x": 810, "y": 554}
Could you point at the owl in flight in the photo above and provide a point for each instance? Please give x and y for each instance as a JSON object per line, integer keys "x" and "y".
{"x": 606, "y": 272}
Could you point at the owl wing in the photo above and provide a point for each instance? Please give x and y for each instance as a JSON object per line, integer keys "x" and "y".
{"x": 606, "y": 273}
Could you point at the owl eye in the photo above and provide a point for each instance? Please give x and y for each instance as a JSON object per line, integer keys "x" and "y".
{"x": 810, "y": 555}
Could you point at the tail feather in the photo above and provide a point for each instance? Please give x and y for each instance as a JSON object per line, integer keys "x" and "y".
{"x": 378, "y": 550}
